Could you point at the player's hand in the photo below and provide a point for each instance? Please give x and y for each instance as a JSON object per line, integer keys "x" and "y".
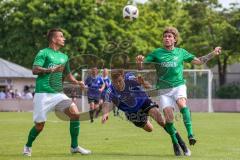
{"x": 104, "y": 118}
{"x": 139, "y": 59}
{"x": 140, "y": 79}
{"x": 217, "y": 50}
{"x": 81, "y": 84}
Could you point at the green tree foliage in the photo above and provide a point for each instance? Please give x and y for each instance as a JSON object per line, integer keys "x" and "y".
{"x": 210, "y": 27}
{"x": 98, "y": 29}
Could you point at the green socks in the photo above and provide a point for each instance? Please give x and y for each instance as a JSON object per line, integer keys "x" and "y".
{"x": 74, "y": 132}
{"x": 32, "y": 136}
{"x": 169, "y": 127}
{"x": 187, "y": 120}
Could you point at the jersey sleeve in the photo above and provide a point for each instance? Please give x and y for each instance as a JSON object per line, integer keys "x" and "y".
{"x": 39, "y": 59}
{"x": 187, "y": 57}
{"x": 150, "y": 57}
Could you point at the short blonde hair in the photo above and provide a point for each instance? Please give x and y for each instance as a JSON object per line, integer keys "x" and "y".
{"x": 172, "y": 30}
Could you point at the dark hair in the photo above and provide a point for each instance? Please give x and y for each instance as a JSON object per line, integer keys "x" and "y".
{"x": 52, "y": 32}
{"x": 116, "y": 73}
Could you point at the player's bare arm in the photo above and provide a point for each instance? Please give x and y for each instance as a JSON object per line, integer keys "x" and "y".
{"x": 143, "y": 82}
{"x": 102, "y": 87}
{"x": 71, "y": 78}
{"x": 206, "y": 58}
{"x": 105, "y": 108}
{"x": 40, "y": 70}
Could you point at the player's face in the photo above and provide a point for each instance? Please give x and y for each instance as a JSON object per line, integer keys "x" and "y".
{"x": 118, "y": 83}
{"x": 94, "y": 71}
{"x": 105, "y": 72}
{"x": 169, "y": 40}
{"x": 59, "y": 39}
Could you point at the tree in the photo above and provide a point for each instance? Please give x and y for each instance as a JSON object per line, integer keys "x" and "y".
{"x": 212, "y": 27}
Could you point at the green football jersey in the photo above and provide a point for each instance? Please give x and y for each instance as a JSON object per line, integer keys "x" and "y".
{"x": 169, "y": 66}
{"x": 50, "y": 82}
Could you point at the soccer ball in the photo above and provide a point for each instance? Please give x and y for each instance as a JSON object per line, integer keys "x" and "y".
{"x": 130, "y": 12}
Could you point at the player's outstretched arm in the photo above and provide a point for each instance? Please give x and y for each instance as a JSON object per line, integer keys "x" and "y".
{"x": 72, "y": 79}
{"x": 206, "y": 58}
{"x": 105, "y": 108}
{"x": 144, "y": 83}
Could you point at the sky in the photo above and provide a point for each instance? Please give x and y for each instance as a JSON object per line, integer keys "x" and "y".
{"x": 225, "y": 3}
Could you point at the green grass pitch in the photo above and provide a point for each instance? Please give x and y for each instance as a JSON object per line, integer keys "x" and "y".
{"x": 218, "y": 137}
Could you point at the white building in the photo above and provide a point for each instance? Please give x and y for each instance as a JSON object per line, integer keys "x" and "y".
{"x": 15, "y": 77}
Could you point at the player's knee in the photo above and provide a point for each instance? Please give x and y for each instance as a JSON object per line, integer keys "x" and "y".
{"x": 169, "y": 118}
{"x": 74, "y": 116}
{"x": 148, "y": 127}
{"x": 181, "y": 102}
{"x": 39, "y": 127}
{"x": 74, "y": 113}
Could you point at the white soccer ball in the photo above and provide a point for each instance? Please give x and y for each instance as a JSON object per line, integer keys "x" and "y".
{"x": 130, "y": 12}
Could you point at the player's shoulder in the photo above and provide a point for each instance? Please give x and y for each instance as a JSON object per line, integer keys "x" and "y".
{"x": 158, "y": 50}
{"x": 43, "y": 51}
{"x": 182, "y": 50}
{"x": 129, "y": 76}
{"x": 88, "y": 78}
{"x": 99, "y": 77}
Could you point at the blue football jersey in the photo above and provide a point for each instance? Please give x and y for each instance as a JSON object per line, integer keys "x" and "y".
{"x": 129, "y": 100}
{"x": 94, "y": 84}
{"x": 107, "y": 82}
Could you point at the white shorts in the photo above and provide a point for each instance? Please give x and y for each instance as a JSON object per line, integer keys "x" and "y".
{"x": 46, "y": 102}
{"x": 168, "y": 97}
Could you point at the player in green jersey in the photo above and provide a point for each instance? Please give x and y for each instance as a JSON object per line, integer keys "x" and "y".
{"x": 171, "y": 84}
{"x": 50, "y": 65}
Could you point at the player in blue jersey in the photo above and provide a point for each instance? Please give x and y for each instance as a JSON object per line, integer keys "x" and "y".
{"x": 95, "y": 85}
{"x": 107, "y": 83}
{"x": 128, "y": 95}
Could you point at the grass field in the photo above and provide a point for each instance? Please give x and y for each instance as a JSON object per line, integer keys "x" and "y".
{"x": 218, "y": 137}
